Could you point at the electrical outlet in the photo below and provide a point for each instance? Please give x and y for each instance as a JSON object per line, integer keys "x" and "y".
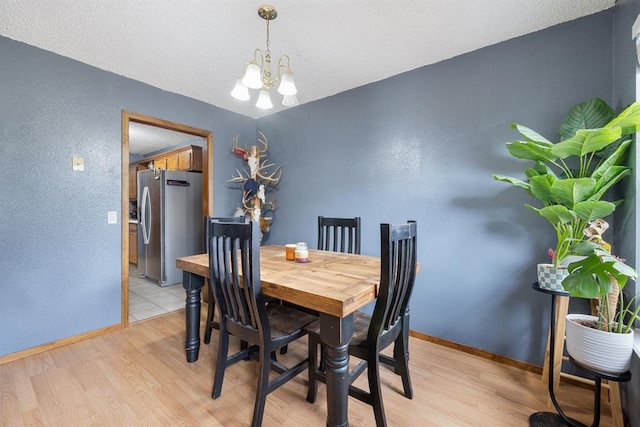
{"x": 112, "y": 217}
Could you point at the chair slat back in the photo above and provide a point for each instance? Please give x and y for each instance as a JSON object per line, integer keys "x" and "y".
{"x": 397, "y": 276}
{"x": 234, "y": 264}
{"x": 339, "y": 234}
{"x": 209, "y": 219}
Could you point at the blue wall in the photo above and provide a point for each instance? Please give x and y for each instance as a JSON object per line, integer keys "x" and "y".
{"x": 421, "y": 145}
{"x": 60, "y": 265}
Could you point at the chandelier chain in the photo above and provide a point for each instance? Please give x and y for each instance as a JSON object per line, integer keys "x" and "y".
{"x": 267, "y": 59}
{"x": 268, "y": 51}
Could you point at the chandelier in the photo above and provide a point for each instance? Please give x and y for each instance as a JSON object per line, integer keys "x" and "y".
{"x": 256, "y": 74}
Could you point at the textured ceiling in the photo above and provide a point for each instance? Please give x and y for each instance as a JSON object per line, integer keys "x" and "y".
{"x": 197, "y": 48}
{"x": 145, "y": 139}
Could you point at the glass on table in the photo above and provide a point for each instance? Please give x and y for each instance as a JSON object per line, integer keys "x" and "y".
{"x": 290, "y": 252}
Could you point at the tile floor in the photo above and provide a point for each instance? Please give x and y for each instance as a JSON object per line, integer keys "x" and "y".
{"x": 147, "y": 299}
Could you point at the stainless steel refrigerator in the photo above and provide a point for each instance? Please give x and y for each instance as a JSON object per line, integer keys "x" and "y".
{"x": 169, "y": 222}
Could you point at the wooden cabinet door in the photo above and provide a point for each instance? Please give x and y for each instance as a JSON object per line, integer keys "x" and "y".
{"x": 172, "y": 162}
{"x": 184, "y": 160}
{"x": 133, "y": 180}
{"x": 160, "y": 163}
{"x": 191, "y": 159}
{"x": 133, "y": 244}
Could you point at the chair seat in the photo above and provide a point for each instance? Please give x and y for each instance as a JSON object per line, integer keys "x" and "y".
{"x": 287, "y": 320}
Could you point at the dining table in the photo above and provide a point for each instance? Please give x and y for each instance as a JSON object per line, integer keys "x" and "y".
{"x": 334, "y": 284}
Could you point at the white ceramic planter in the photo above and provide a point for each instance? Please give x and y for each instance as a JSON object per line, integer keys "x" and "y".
{"x": 598, "y": 350}
{"x": 550, "y": 277}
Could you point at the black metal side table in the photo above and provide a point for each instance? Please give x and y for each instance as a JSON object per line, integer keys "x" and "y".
{"x": 550, "y": 419}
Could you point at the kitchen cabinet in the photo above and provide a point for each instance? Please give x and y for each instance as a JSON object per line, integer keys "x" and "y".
{"x": 190, "y": 159}
{"x": 187, "y": 158}
{"x": 133, "y": 178}
{"x": 133, "y": 181}
{"x": 160, "y": 162}
{"x": 172, "y": 162}
{"x": 133, "y": 243}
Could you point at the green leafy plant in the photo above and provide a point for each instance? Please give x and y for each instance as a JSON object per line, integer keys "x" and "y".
{"x": 570, "y": 177}
{"x": 595, "y": 276}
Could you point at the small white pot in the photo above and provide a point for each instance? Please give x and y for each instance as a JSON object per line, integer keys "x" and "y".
{"x": 598, "y": 350}
{"x": 550, "y": 277}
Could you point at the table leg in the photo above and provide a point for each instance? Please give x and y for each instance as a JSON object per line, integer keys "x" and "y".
{"x": 336, "y": 333}
{"x": 192, "y": 284}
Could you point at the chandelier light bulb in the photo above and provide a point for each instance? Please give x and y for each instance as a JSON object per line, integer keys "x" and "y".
{"x": 290, "y": 100}
{"x": 264, "y": 99}
{"x": 287, "y": 85}
{"x": 240, "y": 91}
{"x": 252, "y": 76}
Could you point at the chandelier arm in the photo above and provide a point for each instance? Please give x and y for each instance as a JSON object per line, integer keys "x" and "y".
{"x": 282, "y": 68}
{"x": 258, "y": 53}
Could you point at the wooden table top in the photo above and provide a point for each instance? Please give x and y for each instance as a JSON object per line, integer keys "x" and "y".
{"x": 331, "y": 282}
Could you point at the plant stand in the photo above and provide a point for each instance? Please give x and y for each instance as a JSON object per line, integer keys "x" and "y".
{"x": 554, "y": 352}
{"x": 613, "y": 388}
{"x": 561, "y": 310}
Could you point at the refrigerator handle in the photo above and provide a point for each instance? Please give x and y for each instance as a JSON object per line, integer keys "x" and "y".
{"x": 143, "y": 220}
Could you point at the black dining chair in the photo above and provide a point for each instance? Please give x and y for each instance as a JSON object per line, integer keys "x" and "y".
{"x": 234, "y": 267}
{"x": 339, "y": 234}
{"x": 384, "y": 327}
{"x": 336, "y": 235}
{"x": 211, "y": 305}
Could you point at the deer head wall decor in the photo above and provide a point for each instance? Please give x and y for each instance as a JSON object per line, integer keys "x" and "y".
{"x": 256, "y": 182}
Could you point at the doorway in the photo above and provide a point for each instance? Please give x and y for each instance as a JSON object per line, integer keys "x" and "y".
{"x": 129, "y": 118}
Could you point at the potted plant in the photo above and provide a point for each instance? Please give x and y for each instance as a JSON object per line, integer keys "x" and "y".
{"x": 570, "y": 178}
{"x": 603, "y": 342}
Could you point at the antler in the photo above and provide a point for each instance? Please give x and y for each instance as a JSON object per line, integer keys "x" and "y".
{"x": 263, "y": 140}
{"x": 237, "y": 150}
{"x": 269, "y": 206}
{"x": 245, "y": 203}
{"x": 272, "y": 178}
{"x": 240, "y": 177}
{"x": 253, "y": 211}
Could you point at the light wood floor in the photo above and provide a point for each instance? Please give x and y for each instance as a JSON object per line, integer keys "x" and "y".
{"x": 139, "y": 376}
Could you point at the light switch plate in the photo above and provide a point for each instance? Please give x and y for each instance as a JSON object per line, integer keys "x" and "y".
{"x": 112, "y": 217}
{"x": 78, "y": 163}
